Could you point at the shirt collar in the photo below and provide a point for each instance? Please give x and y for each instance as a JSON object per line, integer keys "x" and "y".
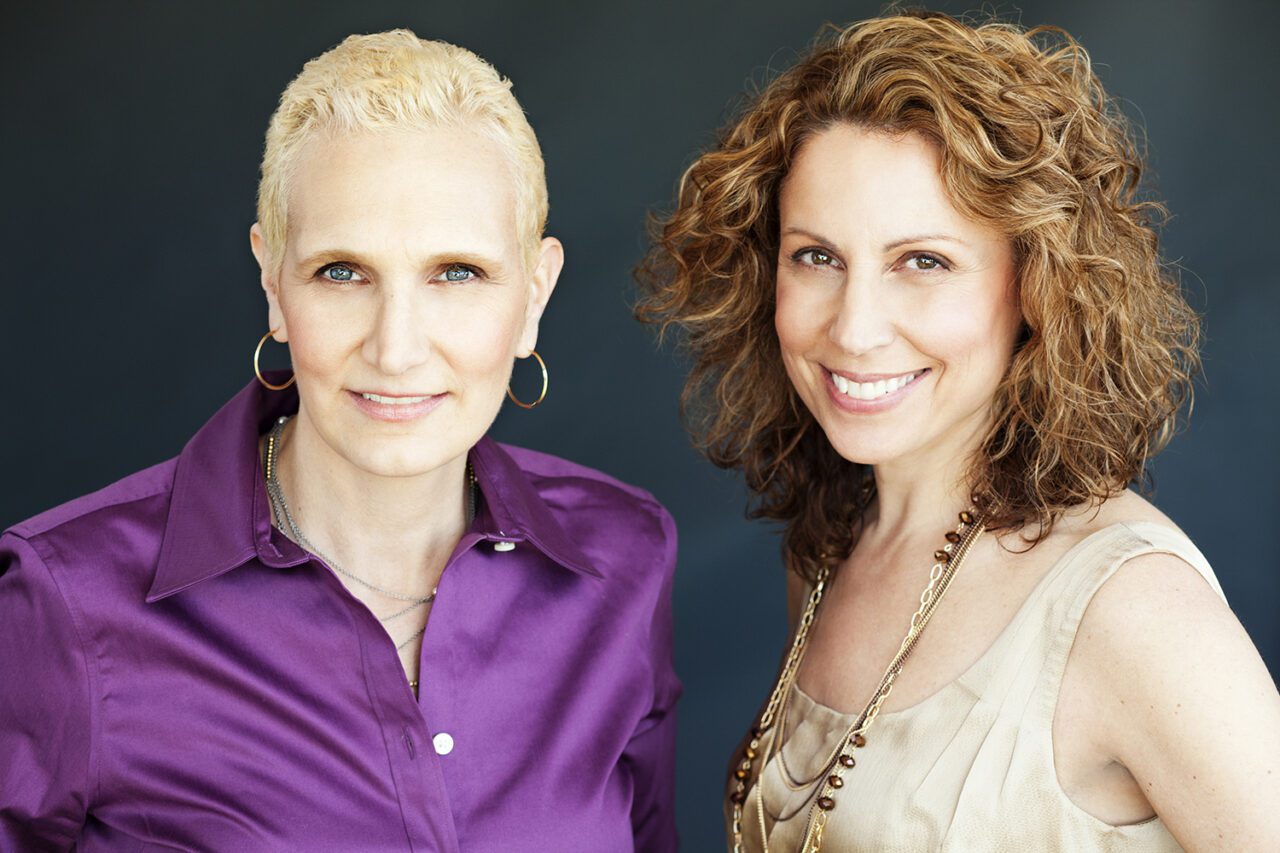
{"x": 220, "y": 518}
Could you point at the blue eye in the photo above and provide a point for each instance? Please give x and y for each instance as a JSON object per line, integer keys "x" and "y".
{"x": 338, "y": 272}
{"x": 458, "y": 272}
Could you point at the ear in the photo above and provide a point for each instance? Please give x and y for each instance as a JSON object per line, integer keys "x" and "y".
{"x": 546, "y": 273}
{"x": 270, "y": 285}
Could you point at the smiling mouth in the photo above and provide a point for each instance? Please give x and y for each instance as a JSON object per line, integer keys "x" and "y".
{"x": 395, "y": 401}
{"x": 873, "y": 390}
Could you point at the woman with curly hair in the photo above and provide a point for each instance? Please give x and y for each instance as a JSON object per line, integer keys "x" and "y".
{"x": 929, "y": 322}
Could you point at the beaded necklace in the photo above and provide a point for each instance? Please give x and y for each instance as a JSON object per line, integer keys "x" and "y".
{"x": 947, "y": 561}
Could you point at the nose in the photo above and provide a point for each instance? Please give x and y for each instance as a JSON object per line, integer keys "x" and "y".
{"x": 399, "y": 339}
{"x": 863, "y": 320}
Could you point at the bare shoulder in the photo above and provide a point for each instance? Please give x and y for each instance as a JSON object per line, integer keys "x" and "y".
{"x": 1150, "y": 603}
{"x": 1155, "y": 613}
{"x": 1127, "y": 507}
{"x": 1161, "y": 668}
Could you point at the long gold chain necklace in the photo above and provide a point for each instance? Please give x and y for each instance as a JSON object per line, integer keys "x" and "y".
{"x": 947, "y": 562}
{"x": 283, "y": 517}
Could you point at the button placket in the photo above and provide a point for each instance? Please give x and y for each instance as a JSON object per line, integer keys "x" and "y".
{"x": 408, "y": 744}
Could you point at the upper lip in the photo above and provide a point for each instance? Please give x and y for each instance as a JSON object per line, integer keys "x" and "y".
{"x": 396, "y": 393}
{"x": 875, "y": 377}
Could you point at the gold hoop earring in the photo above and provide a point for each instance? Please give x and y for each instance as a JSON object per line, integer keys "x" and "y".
{"x": 258, "y": 372}
{"x": 541, "y": 396}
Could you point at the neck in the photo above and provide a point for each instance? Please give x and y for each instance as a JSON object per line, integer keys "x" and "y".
{"x": 927, "y": 490}
{"x": 396, "y": 532}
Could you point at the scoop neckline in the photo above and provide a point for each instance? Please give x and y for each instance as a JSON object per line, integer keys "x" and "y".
{"x": 1000, "y": 638}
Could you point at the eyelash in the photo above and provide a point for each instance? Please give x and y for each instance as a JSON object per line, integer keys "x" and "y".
{"x": 929, "y": 256}
{"x": 320, "y": 273}
{"x": 476, "y": 273}
{"x": 798, "y": 258}
{"x": 811, "y": 250}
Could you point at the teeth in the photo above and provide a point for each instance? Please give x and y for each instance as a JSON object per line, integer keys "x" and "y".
{"x": 394, "y": 401}
{"x": 871, "y": 390}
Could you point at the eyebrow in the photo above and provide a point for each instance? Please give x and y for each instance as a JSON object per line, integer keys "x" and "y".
{"x": 889, "y": 247}
{"x": 925, "y": 238}
{"x": 328, "y": 256}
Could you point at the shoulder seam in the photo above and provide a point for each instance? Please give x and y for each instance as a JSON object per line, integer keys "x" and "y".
{"x": 46, "y": 552}
{"x": 28, "y": 530}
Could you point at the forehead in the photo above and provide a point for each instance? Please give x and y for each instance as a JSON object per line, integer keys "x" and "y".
{"x": 864, "y": 179}
{"x": 433, "y": 189}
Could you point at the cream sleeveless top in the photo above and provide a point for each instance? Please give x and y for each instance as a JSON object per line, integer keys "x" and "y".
{"x": 970, "y": 767}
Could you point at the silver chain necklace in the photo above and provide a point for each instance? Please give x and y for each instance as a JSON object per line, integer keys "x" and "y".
{"x": 280, "y": 509}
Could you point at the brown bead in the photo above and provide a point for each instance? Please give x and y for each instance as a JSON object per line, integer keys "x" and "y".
{"x": 966, "y": 516}
{"x": 826, "y": 803}
{"x": 835, "y": 781}
{"x": 953, "y": 537}
{"x": 751, "y": 753}
{"x": 741, "y": 774}
{"x": 738, "y": 797}
{"x": 942, "y": 556}
{"x": 847, "y": 760}
{"x": 859, "y": 741}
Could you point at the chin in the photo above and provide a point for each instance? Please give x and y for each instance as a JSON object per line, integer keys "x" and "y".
{"x": 405, "y": 455}
{"x": 397, "y": 464}
{"x": 865, "y": 449}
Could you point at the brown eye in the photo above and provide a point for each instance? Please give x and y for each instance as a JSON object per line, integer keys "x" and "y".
{"x": 814, "y": 257}
{"x": 925, "y": 263}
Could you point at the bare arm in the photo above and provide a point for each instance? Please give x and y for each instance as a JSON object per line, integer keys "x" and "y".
{"x": 1182, "y": 699}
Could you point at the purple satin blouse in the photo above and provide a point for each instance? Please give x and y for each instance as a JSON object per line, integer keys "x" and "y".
{"x": 175, "y": 674}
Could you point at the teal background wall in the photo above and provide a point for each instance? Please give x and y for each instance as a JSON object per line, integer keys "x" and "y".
{"x": 129, "y": 305}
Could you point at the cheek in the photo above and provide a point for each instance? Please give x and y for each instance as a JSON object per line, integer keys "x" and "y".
{"x": 983, "y": 344}
{"x": 480, "y": 344}
{"x": 797, "y": 319}
{"x": 320, "y": 339}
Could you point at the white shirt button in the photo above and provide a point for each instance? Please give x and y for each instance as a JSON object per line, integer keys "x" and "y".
{"x": 504, "y": 546}
{"x": 443, "y": 743}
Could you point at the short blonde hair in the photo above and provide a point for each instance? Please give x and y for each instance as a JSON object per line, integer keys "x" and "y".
{"x": 395, "y": 81}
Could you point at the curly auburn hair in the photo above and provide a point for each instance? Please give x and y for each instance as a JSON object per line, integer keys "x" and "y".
{"x": 1031, "y": 145}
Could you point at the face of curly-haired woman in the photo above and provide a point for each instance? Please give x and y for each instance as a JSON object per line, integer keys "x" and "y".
{"x": 897, "y": 316}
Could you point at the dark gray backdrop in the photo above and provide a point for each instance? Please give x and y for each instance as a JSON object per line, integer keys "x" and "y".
{"x": 131, "y": 307}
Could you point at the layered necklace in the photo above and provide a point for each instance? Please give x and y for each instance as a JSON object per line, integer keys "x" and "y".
{"x": 284, "y": 519}
{"x": 822, "y": 800}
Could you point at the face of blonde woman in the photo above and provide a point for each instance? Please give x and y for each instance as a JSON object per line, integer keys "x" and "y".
{"x": 404, "y": 294}
{"x": 897, "y": 316}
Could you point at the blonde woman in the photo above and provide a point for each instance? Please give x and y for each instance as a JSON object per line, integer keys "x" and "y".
{"x": 343, "y": 618}
{"x": 930, "y": 324}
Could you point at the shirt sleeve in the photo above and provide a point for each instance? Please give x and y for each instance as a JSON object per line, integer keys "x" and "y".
{"x": 651, "y": 749}
{"x": 45, "y": 716}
